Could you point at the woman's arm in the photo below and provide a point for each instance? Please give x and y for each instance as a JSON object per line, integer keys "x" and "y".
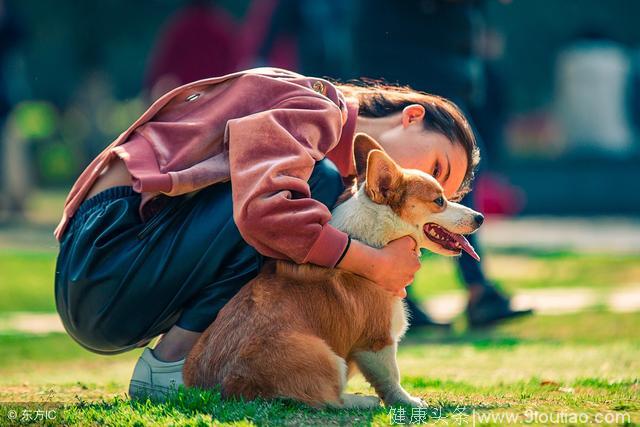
{"x": 391, "y": 267}
{"x": 271, "y": 157}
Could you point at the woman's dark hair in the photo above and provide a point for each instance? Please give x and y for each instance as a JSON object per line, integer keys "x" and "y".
{"x": 378, "y": 99}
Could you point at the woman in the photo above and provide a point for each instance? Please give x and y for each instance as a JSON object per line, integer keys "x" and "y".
{"x": 177, "y": 214}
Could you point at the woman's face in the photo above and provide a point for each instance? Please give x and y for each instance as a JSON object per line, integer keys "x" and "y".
{"x": 431, "y": 152}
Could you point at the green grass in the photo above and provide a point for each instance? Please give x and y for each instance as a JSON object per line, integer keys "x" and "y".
{"x": 580, "y": 363}
{"x": 446, "y": 407}
{"x": 27, "y": 281}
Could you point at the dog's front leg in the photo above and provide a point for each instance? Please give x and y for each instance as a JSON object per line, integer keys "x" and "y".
{"x": 380, "y": 368}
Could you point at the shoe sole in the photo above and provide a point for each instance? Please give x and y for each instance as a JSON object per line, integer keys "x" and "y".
{"x": 139, "y": 390}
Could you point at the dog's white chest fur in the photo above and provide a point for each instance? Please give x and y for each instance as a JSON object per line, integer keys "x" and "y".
{"x": 369, "y": 222}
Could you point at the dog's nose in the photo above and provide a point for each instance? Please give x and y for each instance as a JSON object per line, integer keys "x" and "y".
{"x": 479, "y": 218}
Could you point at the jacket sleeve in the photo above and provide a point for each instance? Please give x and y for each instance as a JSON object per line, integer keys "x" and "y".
{"x": 271, "y": 156}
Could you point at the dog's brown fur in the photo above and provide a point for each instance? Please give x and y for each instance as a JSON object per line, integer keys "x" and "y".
{"x": 278, "y": 337}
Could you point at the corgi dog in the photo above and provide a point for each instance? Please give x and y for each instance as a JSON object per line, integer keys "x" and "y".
{"x": 299, "y": 331}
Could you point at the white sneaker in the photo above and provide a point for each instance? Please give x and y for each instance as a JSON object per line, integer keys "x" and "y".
{"x": 154, "y": 378}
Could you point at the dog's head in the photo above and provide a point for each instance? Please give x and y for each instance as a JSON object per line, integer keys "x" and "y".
{"x": 417, "y": 198}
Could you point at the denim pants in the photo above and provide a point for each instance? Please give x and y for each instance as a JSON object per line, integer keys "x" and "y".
{"x": 121, "y": 281}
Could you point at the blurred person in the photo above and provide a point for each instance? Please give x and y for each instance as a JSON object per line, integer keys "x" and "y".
{"x": 430, "y": 45}
{"x": 268, "y": 38}
{"x": 176, "y": 215}
{"x": 493, "y": 193}
{"x": 290, "y": 34}
{"x": 200, "y": 40}
{"x": 490, "y": 112}
{"x": 594, "y": 79}
{"x": 310, "y": 36}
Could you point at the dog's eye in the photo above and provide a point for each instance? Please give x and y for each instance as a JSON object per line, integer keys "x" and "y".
{"x": 439, "y": 201}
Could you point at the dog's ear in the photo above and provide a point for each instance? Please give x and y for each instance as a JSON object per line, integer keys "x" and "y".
{"x": 362, "y": 145}
{"x": 384, "y": 178}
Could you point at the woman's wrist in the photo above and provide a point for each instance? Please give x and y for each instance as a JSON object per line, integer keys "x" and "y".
{"x": 346, "y": 249}
{"x": 360, "y": 259}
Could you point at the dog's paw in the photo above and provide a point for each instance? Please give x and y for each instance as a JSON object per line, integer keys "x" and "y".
{"x": 358, "y": 401}
{"x": 408, "y": 400}
{"x": 416, "y": 402}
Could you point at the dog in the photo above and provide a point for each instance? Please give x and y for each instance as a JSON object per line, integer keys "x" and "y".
{"x": 299, "y": 331}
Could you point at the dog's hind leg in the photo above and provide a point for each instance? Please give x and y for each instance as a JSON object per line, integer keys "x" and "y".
{"x": 295, "y": 366}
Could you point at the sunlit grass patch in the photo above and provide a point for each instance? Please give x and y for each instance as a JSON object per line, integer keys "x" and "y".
{"x": 555, "y": 364}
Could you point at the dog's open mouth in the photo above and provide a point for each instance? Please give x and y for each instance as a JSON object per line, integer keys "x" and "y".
{"x": 448, "y": 240}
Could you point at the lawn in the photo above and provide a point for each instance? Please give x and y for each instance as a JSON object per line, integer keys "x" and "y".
{"x": 561, "y": 369}
{"x": 583, "y": 364}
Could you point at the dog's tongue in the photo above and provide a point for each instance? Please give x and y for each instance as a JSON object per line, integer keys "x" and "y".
{"x": 462, "y": 241}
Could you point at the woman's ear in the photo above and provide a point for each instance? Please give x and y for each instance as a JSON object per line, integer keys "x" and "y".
{"x": 413, "y": 113}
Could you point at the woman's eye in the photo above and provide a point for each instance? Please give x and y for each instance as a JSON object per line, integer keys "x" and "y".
{"x": 436, "y": 170}
{"x": 439, "y": 201}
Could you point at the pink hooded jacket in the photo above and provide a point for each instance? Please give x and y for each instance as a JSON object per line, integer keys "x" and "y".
{"x": 263, "y": 129}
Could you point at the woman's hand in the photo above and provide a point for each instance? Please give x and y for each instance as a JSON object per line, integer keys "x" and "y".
{"x": 391, "y": 267}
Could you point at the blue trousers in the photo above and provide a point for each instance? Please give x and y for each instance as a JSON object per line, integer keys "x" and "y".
{"x": 121, "y": 281}
{"x": 470, "y": 270}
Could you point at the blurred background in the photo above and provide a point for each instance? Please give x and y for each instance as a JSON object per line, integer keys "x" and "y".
{"x": 552, "y": 88}
{"x": 555, "y": 101}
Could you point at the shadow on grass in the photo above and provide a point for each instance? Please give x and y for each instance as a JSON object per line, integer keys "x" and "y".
{"x": 487, "y": 338}
{"x": 204, "y": 406}
{"x": 208, "y": 406}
